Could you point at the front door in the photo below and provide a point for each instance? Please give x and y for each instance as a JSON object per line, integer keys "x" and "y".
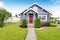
{"x": 31, "y": 19}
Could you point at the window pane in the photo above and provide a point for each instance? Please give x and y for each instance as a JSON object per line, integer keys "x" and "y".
{"x": 43, "y": 17}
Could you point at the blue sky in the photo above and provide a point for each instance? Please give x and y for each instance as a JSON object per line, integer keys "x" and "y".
{"x": 17, "y": 6}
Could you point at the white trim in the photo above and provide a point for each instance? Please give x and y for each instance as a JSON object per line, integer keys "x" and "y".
{"x": 42, "y": 16}
{"x": 30, "y": 9}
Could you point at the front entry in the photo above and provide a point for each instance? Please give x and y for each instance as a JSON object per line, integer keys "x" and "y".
{"x": 30, "y": 19}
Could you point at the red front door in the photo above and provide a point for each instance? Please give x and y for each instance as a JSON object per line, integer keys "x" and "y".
{"x": 30, "y": 18}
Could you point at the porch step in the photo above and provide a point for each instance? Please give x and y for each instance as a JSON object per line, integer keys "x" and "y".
{"x": 30, "y": 25}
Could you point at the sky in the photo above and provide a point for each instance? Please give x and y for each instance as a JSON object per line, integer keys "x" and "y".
{"x": 17, "y": 6}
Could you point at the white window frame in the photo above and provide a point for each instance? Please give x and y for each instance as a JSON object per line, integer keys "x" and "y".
{"x": 41, "y": 17}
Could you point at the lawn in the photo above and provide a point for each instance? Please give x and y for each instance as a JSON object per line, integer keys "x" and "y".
{"x": 48, "y": 34}
{"x": 54, "y": 25}
{"x": 12, "y": 31}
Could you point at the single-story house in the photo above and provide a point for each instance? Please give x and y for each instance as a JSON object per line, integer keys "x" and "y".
{"x": 33, "y": 12}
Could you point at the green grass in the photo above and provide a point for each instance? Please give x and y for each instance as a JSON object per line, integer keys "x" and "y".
{"x": 54, "y": 24}
{"x": 12, "y": 32}
{"x": 57, "y": 24}
{"x": 48, "y": 34}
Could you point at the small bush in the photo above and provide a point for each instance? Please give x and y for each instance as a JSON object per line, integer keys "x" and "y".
{"x": 37, "y": 23}
{"x": 24, "y": 23}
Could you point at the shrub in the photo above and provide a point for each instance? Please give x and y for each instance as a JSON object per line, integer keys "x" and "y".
{"x": 37, "y": 23}
{"x": 1, "y": 24}
{"x": 24, "y": 23}
{"x": 51, "y": 20}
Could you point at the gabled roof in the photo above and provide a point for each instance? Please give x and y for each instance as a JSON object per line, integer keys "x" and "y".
{"x": 30, "y": 10}
{"x": 35, "y": 4}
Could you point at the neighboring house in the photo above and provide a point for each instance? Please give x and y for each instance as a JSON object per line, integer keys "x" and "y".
{"x": 33, "y": 12}
{"x": 13, "y": 19}
{"x": 57, "y": 19}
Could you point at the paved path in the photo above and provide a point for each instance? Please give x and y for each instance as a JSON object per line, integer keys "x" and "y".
{"x": 31, "y": 33}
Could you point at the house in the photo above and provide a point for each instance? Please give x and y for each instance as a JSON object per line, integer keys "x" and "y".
{"x": 57, "y": 20}
{"x": 12, "y": 19}
{"x": 33, "y": 12}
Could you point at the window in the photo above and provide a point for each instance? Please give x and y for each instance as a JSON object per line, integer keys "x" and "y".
{"x": 43, "y": 17}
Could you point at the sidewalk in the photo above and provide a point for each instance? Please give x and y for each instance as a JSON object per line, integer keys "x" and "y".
{"x": 31, "y": 34}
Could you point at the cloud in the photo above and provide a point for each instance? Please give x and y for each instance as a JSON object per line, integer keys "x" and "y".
{"x": 55, "y": 11}
{"x": 1, "y": 4}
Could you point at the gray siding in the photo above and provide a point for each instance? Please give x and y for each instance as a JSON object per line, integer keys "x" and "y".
{"x": 48, "y": 18}
{"x": 40, "y": 11}
{"x": 22, "y": 16}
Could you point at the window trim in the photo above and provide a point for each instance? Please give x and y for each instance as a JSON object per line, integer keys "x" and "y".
{"x": 42, "y": 16}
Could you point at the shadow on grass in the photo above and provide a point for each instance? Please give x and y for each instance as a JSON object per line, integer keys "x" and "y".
{"x": 22, "y": 26}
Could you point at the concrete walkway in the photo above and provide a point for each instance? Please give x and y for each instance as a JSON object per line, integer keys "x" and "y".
{"x": 31, "y": 33}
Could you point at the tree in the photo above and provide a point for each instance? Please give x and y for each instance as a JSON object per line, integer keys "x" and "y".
{"x": 1, "y": 19}
{"x": 4, "y": 14}
{"x": 7, "y": 15}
